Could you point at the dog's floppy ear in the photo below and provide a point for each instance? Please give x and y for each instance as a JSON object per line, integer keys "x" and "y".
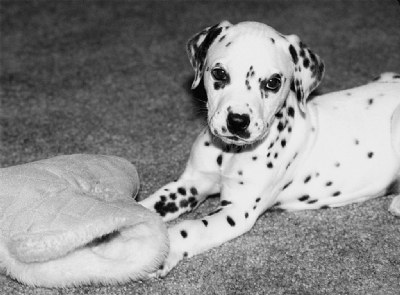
{"x": 308, "y": 69}
{"x": 198, "y": 46}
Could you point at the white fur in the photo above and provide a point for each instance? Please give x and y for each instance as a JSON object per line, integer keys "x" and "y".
{"x": 294, "y": 154}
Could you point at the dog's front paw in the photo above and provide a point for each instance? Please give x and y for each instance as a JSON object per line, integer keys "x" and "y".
{"x": 170, "y": 262}
{"x": 176, "y": 253}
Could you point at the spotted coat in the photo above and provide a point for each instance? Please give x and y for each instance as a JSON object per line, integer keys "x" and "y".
{"x": 268, "y": 146}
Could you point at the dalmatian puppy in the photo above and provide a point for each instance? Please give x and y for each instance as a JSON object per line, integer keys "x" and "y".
{"x": 268, "y": 145}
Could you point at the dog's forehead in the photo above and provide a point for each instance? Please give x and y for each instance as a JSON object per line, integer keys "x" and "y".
{"x": 249, "y": 43}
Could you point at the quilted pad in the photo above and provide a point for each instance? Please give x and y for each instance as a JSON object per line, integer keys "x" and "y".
{"x": 72, "y": 220}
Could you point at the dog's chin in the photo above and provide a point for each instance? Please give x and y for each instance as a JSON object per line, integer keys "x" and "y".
{"x": 236, "y": 140}
{"x": 239, "y": 141}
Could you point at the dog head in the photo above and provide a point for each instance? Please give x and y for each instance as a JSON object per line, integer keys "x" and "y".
{"x": 249, "y": 70}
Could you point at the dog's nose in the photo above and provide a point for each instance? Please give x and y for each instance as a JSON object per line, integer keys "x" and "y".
{"x": 237, "y": 123}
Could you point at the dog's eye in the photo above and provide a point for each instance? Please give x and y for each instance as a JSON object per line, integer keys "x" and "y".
{"x": 273, "y": 84}
{"x": 219, "y": 74}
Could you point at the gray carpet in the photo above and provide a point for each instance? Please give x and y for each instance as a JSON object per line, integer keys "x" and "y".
{"x": 112, "y": 77}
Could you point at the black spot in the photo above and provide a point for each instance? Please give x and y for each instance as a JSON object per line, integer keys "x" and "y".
{"x": 337, "y": 164}
{"x": 182, "y": 191}
{"x": 290, "y": 112}
{"x": 205, "y": 222}
{"x": 219, "y": 160}
{"x": 246, "y": 215}
{"x": 163, "y": 208}
{"x": 292, "y": 87}
{"x": 193, "y": 191}
{"x": 241, "y": 182}
{"x": 348, "y": 93}
{"x": 280, "y": 126}
{"x": 258, "y": 200}
{"x": 163, "y": 198}
{"x": 276, "y": 155}
{"x": 270, "y": 165}
{"x": 230, "y": 221}
{"x": 356, "y": 141}
{"x": 222, "y": 38}
{"x": 329, "y": 183}
{"x": 192, "y": 202}
{"x": 370, "y": 155}
{"x": 172, "y": 196}
{"x": 248, "y": 84}
{"x": 240, "y": 172}
{"x": 219, "y": 85}
{"x": 254, "y": 158}
{"x": 337, "y": 193}
{"x": 286, "y": 185}
{"x": 324, "y": 207}
{"x": 273, "y": 40}
{"x": 283, "y": 142}
{"x": 225, "y": 203}
{"x": 306, "y": 62}
{"x": 312, "y": 56}
{"x": 396, "y": 76}
{"x": 312, "y": 201}
{"x": 255, "y": 207}
{"x": 185, "y": 254}
{"x": 184, "y": 234}
{"x": 304, "y": 198}
{"x": 293, "y": 53}
{"x": 370, "y": 101}
{"x": 183, "y": 203}
{"x": 227, "y": 44}
{"x": 299, "y": 94}
{"x": 307, "y": 179}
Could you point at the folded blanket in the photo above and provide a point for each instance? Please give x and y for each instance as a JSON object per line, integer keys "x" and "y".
{"x": 72, "y": 219}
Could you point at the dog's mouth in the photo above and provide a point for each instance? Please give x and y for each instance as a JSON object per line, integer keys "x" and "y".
{"x": 240, "y": 140}
{"x": 234, "y": 139}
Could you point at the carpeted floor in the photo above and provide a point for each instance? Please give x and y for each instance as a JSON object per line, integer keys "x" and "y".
{"x": 112, "y": 77}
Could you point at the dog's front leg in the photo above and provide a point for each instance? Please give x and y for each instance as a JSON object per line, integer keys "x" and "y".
{"x": 199, "y": 180}
{"x": 192, "y": 237}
